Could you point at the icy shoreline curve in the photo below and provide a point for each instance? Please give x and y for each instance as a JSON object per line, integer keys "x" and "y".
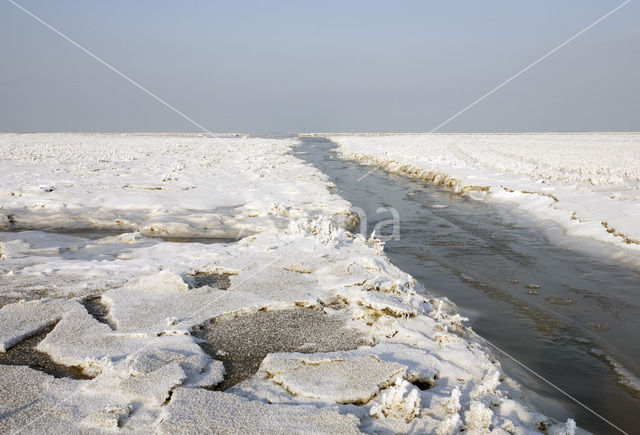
{"x": 419, "y": 369}
{"x": 589, "y": 183}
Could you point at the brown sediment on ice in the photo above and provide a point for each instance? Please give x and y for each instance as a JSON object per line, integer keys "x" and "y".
{"x": 616, "y": 233}
{"x": 241, "y": 342}
{"x": 529, "y": 192}
{"x": 548, "y": 195}
{"x": 431, "y": 176}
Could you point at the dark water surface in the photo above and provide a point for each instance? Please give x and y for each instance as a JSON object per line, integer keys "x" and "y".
{"x": 548, "y": 306}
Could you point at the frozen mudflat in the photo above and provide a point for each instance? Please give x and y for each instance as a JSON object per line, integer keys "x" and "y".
{"x": 576, "y": 179}
{"x": 241, "y": 342}
{"x": 133, "y": 312}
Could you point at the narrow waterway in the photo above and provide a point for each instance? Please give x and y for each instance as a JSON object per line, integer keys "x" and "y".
{"x": 569, "y": 316}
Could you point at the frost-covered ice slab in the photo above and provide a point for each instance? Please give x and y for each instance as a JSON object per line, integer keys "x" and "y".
{"x": 23, "y": 319}
{"x": 159, "y": 185}
{"x": 587, "y": 182}
{"x": 163, "y": 302}
{"x": 191, "y": 411}
{"x": 353, "y": 380}
{"x": 79, "y": 340}
{"x": 34, "y": 402}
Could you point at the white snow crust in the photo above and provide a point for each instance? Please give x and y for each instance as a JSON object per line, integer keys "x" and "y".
{"x": 157, "y": 185}
{"x": 422, "y": 370}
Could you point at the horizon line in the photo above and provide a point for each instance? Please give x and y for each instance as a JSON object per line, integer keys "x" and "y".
{"x": 315, "y": 133}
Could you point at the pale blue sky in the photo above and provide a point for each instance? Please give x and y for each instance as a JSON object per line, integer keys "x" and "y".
{"x": 261, "y": 66}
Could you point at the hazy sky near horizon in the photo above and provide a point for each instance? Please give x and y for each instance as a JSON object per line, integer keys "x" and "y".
{"x": 274, "y": 66}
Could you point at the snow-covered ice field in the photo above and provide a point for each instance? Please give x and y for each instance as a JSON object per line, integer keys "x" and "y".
{"x": 82, "y": 264}
{"x": 587, "y": 182}
{"x": 157, "y": 185}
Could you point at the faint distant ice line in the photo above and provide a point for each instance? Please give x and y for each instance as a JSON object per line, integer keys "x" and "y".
{"x": 504, "y": 83}
{"x": 121, "y": 74}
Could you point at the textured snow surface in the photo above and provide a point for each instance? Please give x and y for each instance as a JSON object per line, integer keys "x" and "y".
{"x": 191, "y": 411}
{"x": 161, "y": 186}
{"x": 402, "y": 400}
{"x": 587, "y": 182}
{"x": 351, "y": 380}
{"x": 124, "y": 307}
{"x": 21, "y": 320}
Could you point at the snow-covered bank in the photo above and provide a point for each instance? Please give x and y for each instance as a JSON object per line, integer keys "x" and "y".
{"x": 158, "y": 185}
{"x": 408, "y": 364}
{"x": 589, "y": 183}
